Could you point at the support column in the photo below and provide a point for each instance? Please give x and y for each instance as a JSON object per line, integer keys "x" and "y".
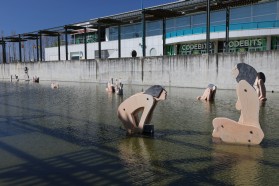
{"x": 37, "y": 45}
{"x": 216, "y": 47}
{"x": 164, "y": 37}
{"x": 227, "y": 28}
{"x": 66, "y": 43}
{"x": 59, "y": 52}
{"x": 143, "y": 34}
{"x": 119, "y": 41}
{"x": 208, "y": 27}
{"x": 99, "y": 42}
{"x": 41, "y": 48}
{"x": 268, "y": 43}
{"x": 4, "y": 50}
{"x": 19, "y": 48}
{"x": 85, "y": 43}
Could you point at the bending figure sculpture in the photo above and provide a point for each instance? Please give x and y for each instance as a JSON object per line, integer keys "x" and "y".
{"x": 142, "y": 103}
{"x": 209, "y": 93}
{"x": 247, "y": 130}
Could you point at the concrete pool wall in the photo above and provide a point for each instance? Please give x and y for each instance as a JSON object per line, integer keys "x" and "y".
{"x": 180, "y": 71}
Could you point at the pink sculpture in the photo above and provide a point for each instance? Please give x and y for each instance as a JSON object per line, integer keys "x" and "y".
{"x": 142, "y": 104}
{"x": 247, "y": 130}
{"x": 209, "y": 93}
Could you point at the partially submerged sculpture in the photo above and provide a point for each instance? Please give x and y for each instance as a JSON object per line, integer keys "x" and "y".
{"x": 110, "y": 86}
{"x": 54, "y": 85}
{"x": 16, "y": 77}
{"x": 209, "y": 93}
{"x": 247, "y": 130}
{"x": 118, "y": 87}
{"x": 260, "y": 87}
{"x": 36, "y": 79}
{"x": 115, "y": 88}
{"x": 26, "y": 73}
{"x": 142, "y": 103}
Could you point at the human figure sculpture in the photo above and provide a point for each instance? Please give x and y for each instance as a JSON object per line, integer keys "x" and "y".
{"x": 247, "y": 130}
{"x": 110, "y": 86}
{"x": 209, "y": 93}
{"x": 54, "y": 85}
{"x": 26, "y": 74}
{"x": 260, "y": 87}
{"x": 142, "y": 103}
{"x": 118, "y": 87}
{"x": 36, "y": 79}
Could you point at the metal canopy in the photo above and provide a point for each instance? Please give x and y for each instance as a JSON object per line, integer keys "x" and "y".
{"x": 217, "y": 5}
{"x": 162, "y": 13}
{"x": 72, "y": 27}
{"x": 49, "y": 33}
{"x": 15, "y": 40}
{"x": 108, "y": 21}
{"x": 30, "y": 36}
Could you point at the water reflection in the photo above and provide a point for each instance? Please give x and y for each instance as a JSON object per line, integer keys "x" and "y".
{"x": 240, "y": 165}
{"x": 135, "y": 153}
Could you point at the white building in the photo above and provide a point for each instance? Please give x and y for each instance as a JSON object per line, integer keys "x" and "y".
{"x": 252, "y": 27}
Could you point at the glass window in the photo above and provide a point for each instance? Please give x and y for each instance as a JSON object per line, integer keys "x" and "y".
{"x": 240, "y": 12}
{"x": 170, "y": 25}
{"x": 218, "y": 18}
{"x": 199, "y": 20}
{"x": 243, "y": 20}
{"x": 261, "y": 18}
{"x": 183, "y": 22}
{"x": 153, "y": 28}
{"x": 265, "y": 12}
{"x": 131, "y": 31}
{"x": 113, "y": 33}
{"x": 179, "y": 23}
{"x": 264, "y": 8}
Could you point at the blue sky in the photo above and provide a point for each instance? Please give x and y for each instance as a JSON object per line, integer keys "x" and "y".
{"x": 22, "y": 16}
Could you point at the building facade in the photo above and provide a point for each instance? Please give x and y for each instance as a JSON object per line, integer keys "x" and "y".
{"x": 252, "y": 27}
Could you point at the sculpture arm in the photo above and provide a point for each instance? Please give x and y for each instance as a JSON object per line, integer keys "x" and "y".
{"x": 146, "y": 111}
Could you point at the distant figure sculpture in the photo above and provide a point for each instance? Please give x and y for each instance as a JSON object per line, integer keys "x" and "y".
{"x": 144, "y": 103}
{"x": 36, "y": 79}
{"x": 16, "y": 77}
{"x": 247, "y": 130}
{"x": 119, "y": 87}
{"x": 260, "y": 87}
{"x": 110, "y": 86}
{"x": 54, "y": 85}
{"x": 209, "y": 93}
{"x": 26, "y": 74}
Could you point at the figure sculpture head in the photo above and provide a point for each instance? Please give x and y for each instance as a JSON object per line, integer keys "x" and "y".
{"x": 261, "y": 75}
{"x": 157, "y": 91}
{"x": 243, "y": 71}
